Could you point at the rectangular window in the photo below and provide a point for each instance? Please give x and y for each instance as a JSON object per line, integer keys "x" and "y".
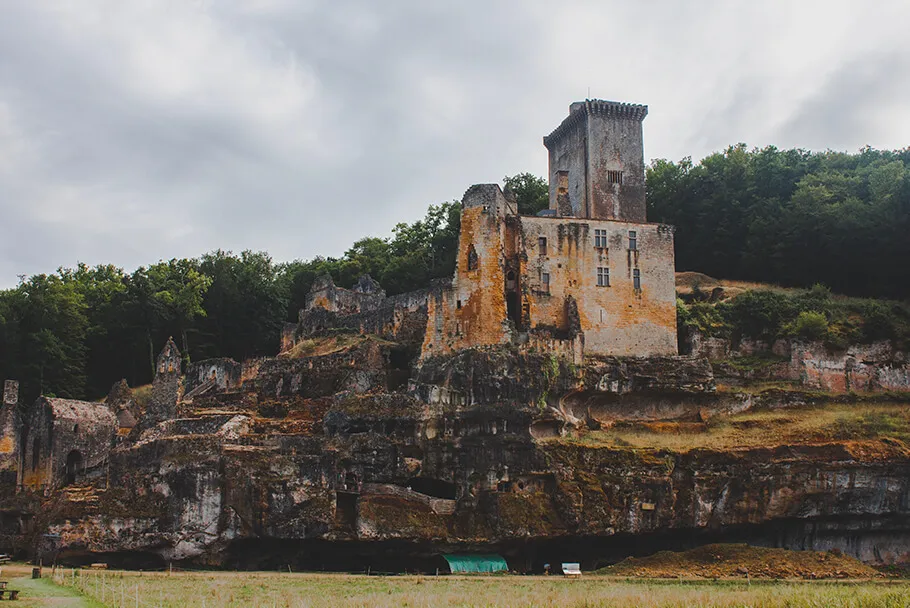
{"x": 542, "y": 245}
{"x": 614, "y": 177}
{"x": 545, "y": 282}
{"x": 600, "y": 239}
{"x": 633, "y": 240}
{"x": 603, "y": 277}
{"x": 636, "y": 279}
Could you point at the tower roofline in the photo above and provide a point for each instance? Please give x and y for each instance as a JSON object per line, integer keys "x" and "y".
{"x": 580, "y": 110}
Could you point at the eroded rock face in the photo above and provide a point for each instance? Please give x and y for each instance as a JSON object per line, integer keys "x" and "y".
{"x": 307, "y": 463}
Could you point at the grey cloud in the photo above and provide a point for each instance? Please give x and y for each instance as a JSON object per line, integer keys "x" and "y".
{"x": 850, "y": 108}
{"x": 131, "y": 132}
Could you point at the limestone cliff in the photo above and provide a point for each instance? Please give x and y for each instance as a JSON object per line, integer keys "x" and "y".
{"x": 314, "y": 462}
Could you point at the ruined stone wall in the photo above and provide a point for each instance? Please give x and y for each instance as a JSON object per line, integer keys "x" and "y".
{"x": 567, "y": 156}
{"x": 366, "y": 295}
{"x": 62, "y": 431}
{"x": 9, "y": 434}
{"x": 401, "y": 318}
{"x": 225, "y": 372}
{"x": 165, "y": 387}
{"x": 859, "y": 367}
{"x": 616, "y": 319}
{"x": 473, "y": 311}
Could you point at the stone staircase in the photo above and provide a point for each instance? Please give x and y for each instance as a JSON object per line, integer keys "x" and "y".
{"x": 200, "y": 390}
{"x": 86, "y": 495}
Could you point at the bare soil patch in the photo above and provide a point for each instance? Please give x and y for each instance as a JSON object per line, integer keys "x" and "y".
{"x": 741, "y": 560}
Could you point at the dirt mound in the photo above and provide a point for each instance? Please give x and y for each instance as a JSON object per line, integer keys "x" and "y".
{"x": 695, "y": 279}
{"x": 739, "y": 560}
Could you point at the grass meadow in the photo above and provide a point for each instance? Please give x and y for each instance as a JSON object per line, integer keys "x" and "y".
{"x": 261, "y": 589}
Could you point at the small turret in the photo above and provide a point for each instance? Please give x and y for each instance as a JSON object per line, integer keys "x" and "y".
{"x": 165, "y": 387}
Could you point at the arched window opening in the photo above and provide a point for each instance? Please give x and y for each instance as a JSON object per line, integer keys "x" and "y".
{"x": 473, "y": 261}
{"x": 73, "y": 466}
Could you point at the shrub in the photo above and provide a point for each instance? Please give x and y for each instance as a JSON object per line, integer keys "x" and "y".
{"x": 701, "y": 316}
{"x": 760, "y": 314}
{"x": 810, "y": 325}
{"x": 879, "y": 322}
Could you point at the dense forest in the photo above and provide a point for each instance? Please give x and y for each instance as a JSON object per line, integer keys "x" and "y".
{"x": 789, "y": 217}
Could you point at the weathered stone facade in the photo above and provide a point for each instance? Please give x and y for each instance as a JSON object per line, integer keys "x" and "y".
{"x": 859, "y": 367}
{"x": 576, "y": 286}
{"x": 165, "y": 387}
{"x": 66, "y": 441}
{"x": 10, "y": 430}
{"x": 597, "y": 167}
{"x": 590, "y": 276}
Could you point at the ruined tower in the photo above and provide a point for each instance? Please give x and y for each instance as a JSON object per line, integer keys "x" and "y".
{"x": 165, "y": 387}
{"x": 10, "y": 428}
{"x": 597, "y": 167}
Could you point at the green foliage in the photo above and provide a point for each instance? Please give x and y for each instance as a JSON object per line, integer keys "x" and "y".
{"x": 790, "y": 217}
{"x": 868, "y": 426}
{"x": 76, "y": 332}
{"x": 759, "y": 314}
{"x": 810, "y": 315}
{"x": 532, "y": 192}
{"x": 810, "y": 325}
{"x": 701, "y": 316}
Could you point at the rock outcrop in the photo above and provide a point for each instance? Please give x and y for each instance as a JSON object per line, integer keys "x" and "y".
{"x": 316, "y": 462}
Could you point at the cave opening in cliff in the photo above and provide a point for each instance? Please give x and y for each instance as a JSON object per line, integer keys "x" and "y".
{"x": 400, "y": 360}
{"x": 436, "y": 488}
{"x": 860, "y": 537}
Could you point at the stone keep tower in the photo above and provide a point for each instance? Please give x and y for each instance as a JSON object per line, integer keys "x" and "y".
{"x": 597, "y": 167}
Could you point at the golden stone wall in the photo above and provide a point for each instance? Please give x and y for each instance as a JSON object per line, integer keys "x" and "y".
{"x": 617, "y": 319}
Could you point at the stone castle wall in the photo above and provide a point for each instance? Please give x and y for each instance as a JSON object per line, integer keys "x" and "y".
{"x": 860, "y": 367}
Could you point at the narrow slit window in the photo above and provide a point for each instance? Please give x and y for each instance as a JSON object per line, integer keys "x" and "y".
{"x": 458, "y": 304}
{"x": 600, "y": 239}
{"x": 472, "y": 258}
{"x": 636, "y": 279}
{"x": 545, "y": 282}
{"x": 633, "y": 240}
{"x": 603, "y": 277}
{"x": 542, "y": 245}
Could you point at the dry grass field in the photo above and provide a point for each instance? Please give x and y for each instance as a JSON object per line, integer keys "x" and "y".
{"x": 759, "y": 428}
{"x": 268, "y": 590}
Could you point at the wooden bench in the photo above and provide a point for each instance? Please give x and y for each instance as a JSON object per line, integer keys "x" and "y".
{"x": 13, "y": 594}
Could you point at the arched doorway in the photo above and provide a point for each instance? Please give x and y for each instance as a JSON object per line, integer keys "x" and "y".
{"x": 513, "y": 301}
{"x": 73, "y": 466}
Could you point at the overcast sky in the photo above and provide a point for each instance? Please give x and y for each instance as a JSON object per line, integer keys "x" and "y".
{"x": 134, "y": 131}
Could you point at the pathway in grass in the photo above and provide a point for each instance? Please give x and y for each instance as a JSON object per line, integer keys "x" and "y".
{"x": 43, "y": 592}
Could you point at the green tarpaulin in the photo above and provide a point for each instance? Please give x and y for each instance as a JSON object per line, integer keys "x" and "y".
{"x": 476, "y": 563}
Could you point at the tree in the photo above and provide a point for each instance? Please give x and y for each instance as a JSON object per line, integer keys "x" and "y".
{"x": 532, "y": 192}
